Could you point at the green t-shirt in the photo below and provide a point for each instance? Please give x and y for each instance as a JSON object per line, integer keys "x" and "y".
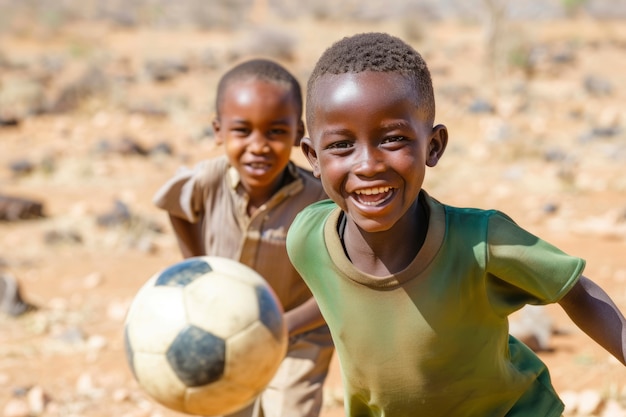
{"x": 433, "y": 339}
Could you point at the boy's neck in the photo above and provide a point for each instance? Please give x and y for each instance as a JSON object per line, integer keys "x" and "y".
{"x": 259, "y": 196}
{"x": 389, "y": 252}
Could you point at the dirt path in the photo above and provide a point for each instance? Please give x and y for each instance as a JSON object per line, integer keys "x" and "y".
{"x": 550, "y": 153}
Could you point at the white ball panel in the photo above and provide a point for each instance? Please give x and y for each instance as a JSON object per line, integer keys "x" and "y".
{"x": 158, "y": 380}
{"x": 235, "y": 270}
{"x": 253, "y": 356}
{"x": 221, "y": 397}
{"x": 158, "y": 314}
{"x": 220, "y": 305}
{"x": 143, "y": 289}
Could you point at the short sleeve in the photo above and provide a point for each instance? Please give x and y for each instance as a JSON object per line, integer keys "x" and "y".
{"x": 184, "y": 195}
{"x": 523, "y": 269}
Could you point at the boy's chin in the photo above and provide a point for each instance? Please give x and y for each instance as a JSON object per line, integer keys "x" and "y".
{"x": 367, "y": 225}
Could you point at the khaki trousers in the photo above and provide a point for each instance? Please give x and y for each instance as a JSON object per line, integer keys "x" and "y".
{"x": 296, "y": 389}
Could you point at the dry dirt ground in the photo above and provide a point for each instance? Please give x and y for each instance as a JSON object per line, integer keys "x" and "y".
{"x": 537, "y": 129}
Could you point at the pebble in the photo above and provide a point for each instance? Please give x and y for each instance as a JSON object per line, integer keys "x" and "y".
{"x": 16, "y": 407}
{"x": 4, "y": 378}
{"x": 589, "y": 402}
{"x": 613, "y": 409}
{"x": 120, "y": 395}
{"x": 97, "y": 342}
{"x": 37, "y": 400}
{"x": 117, "y": 310}
{"x": 92, "y": 280}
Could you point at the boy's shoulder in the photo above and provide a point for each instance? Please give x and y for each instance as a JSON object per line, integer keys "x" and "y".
{"x": 311, "y": 185}
{"x": 316, "y": 213}
{"x": 468, "y": 220}
{"x": 218, "y": 164}
{"x": 308, "y": 225}
{"x": 204, "y": 168}
{"x": 466, "y": 212}
{"x": 210, "y": 172}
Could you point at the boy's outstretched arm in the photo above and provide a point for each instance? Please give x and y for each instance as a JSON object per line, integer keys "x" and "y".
{"x": 189, "y": 236}
{"x": 593, "y": 311}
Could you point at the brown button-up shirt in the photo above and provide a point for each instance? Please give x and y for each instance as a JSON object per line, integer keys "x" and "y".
{"x": 211, "y": 193}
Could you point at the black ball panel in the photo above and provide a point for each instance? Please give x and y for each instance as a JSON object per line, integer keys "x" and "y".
{"x": 183, "y": 272}
{"x": 197, "y": 357}
{"x": 129, "y": 352}
{"x": 270, "y": 312}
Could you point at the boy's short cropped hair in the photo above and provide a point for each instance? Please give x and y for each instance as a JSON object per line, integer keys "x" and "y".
{"x": 379, "y": 52}
{"x": 264, "y": 70}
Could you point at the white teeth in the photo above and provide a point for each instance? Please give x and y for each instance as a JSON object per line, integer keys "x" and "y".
{"x": 258, "y": 165}
{"x": 373, "y": 191}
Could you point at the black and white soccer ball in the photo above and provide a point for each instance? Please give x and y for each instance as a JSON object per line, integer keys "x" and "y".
{"x": 205, "y": 336}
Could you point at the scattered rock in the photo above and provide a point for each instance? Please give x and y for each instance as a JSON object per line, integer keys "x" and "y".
{"x": 37, "y": 400}
{"x": 16, "y": 407}
{"x": 550, "y": 208}
{"x": 18, "y": 208}
{"x": 533, "y": 326}
{"x": 117, "y": 310}
{"x": 148, "y": 109}
{"x": 97, "y": 342}
{"x": 119, "y": 215}
{"x": 589, "y": 402}
{"x": 4, "y": 379}
{"x": 613, "y": 408}
{"x": 162, "y": 70}
{"x": 481, "y": 105}
{"x": 92, "y": 82}
{"x": 9, "y": 121}
{"x": 597, "y": 86}
{"x": 126, "y": 146}
{"x": 92, "y": 280}
{"x": 120, "y": 395}
{"x": 21, "y": 167}
{"x": 11, "y": 301}
{"x": 162, "y": 148}
{"x": 21, "y": 98}
{"x": 570, "y": 400}
{"x": 72, "y": 335}
{"x": 60, "y": 237}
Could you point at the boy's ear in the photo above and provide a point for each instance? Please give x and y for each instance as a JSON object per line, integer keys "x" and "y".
{"x": 299, "y": 133}
{"x": 309, "y": 152}
{"x": 437, "y": 145}
{"x": 217, "y": 130}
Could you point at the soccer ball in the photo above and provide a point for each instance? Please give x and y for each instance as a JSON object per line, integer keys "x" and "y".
{"x": 205, "y": 336}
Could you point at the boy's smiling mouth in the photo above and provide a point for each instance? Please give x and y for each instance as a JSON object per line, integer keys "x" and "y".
{"x": 257, "y": 167}
{"x": 373, "y": 196}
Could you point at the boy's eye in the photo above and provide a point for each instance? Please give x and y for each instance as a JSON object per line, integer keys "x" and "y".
{"x": 393, "y": 139}
{"x": 241, "y": 130}
{"x": 278, "y": 131}
{"x": 339, "y": 145}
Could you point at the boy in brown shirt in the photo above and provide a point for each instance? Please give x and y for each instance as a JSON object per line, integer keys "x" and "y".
{"x": 241, "y": 205}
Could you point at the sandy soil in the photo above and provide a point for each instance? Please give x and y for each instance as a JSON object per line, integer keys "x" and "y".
{"x": 540, "y": 136}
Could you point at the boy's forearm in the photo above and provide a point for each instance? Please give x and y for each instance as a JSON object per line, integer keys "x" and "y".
{"x": 593, "y": 311}
{"x": 189, "y": 236}
{"x": 305, "y": 317}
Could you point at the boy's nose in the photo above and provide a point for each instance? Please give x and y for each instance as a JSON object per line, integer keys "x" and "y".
{"x": 369, "y": 162}
{"x": 258, "y": 143}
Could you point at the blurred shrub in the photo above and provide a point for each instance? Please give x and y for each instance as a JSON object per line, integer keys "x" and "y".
{"x": 266, "y": 42}
{"x": 18, "y": 15}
